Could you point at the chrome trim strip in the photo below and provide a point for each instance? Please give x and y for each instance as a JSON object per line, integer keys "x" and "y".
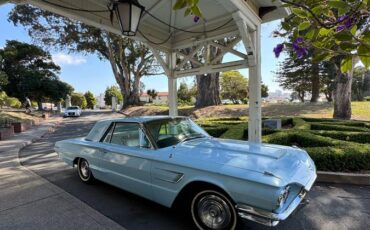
{"x": 269, "y": 218}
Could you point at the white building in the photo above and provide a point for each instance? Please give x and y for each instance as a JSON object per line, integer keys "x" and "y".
{"x": 100, "y": 103}
{"x": 161, "y": 98}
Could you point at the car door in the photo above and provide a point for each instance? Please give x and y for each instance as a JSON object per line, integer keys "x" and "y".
{"x": 126, "y": 158}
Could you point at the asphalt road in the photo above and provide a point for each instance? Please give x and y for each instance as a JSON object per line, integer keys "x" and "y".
{"x": 331, "y": 206}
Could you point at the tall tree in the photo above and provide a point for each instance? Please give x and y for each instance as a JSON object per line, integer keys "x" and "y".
{"x": 361, "y": 83}
{"x": 3, "y": 76}
{"x": 90, "y": 100}
{"x": 152, "y": 93}
{"x": 339, "y": 31}
{"x": 264, "y": 90}
{"x": 78, "y": 99}
{"x": 130, "y": 60}
{"x": 183, "y": 93}
{"x": 32, "y": 73}
{"x": 294, "y": 74}
{"x": 110, "y": 92}
{"x": 234, "y": 86}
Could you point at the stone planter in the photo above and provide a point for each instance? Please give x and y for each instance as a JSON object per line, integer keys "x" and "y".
{"x": 21, "y": 126}
{"x": 6, "y": 132}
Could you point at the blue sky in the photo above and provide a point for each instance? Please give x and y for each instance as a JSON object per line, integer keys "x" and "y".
{"x": 87, "y": 72}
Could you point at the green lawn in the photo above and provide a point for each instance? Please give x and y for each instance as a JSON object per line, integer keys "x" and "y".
{"x": 334, "y": 145}
{"x": 360, "y": 110}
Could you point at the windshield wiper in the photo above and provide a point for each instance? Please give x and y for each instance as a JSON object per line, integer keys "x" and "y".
{"x": 192, "y": 137}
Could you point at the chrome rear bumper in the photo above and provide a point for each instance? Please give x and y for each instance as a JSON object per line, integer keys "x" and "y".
{"x": 269, "y": 218}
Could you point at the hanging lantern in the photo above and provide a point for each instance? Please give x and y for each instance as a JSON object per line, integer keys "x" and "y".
{"x": 128, "y": 13}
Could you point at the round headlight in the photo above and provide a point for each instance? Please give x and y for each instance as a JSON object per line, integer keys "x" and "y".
{"x": 283, "y": 197}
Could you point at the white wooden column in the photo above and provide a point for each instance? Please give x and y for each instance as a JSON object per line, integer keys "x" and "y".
{"x": 172, "y": 85}
{"x": 250, "y": 31}
{"x": 255, "y": 115}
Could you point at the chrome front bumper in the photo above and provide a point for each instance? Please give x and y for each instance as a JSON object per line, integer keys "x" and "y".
{"x": 269, "y": 218}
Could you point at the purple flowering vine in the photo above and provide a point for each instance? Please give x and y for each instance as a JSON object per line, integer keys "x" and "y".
{"x": 297, "y": 45}
{"x": 298, "y": 48}
{"x": 278, "y": 49}
{"x": 346, "y": 22}
{"x": 196, "y": 19}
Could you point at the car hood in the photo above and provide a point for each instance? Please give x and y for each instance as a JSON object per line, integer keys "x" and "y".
{"x": 290, "y": 165}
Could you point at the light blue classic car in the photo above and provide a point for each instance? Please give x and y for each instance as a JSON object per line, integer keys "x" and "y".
{"x": 171, "y": 160}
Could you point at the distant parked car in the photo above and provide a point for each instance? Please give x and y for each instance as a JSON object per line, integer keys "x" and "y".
{"x": 73, "y": 111}
{"x": 171, "y": 160}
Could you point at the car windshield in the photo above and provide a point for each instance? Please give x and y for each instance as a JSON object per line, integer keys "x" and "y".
{"x": 72, "y": 108}
{"x": 170, "y": 132}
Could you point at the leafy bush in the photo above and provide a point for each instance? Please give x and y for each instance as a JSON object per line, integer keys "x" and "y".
{"x": 13, "y": 102}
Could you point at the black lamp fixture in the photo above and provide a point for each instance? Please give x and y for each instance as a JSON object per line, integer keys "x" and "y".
{"x": 128, "y": 13}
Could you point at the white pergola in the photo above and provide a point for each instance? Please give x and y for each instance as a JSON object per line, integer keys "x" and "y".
{"x": 176, "y": 41}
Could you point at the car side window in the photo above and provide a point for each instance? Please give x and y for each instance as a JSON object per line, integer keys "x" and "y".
{"x": 127, "y": 134}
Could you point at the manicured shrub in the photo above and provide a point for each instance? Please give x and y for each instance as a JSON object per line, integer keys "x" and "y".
{"x": 299, "y": 123}
{"x": 308, "y": 119}
{"x": 265, "y": 131}
{"x": 286, "y": 121}
{"x": 280, "y": 138}
{"x": 216, "y": 132}
{"x": 320, "y": 126}
{"x": 347, "y": 123}
{"x": 359, "y": 137}
{"x": 300, "y": 139}
{"x": 226, "y": 119}
{"x": 235, "y": 132}
{"x": 341, "y": 159}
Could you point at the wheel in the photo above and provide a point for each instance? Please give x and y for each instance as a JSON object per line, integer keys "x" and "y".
{"x": 211, "y": 209}
{"x": 84, "y": 171}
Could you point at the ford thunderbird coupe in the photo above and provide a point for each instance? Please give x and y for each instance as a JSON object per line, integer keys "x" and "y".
{"x": 171, "y": 160}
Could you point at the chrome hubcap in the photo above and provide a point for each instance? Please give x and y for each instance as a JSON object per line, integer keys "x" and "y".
{"x": 214, "y": 212}
{"x": 85, "y": 170}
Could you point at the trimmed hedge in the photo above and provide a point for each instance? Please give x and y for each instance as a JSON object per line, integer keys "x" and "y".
{"x": 334, "y": 145}
{"x": 301, "y": 139}
{"x": 235, "y": 132}
{"x": 299, "y": 123}
{"x": 265, "y": 131}
{"x": 359, "y": 137}
{"x": 321, "y": 126}
{"x": 216, "y": 132}
{"x": 340, "y": 159}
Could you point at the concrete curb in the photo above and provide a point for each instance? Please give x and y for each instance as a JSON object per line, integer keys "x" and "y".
{"x": 343, "y": 178}
{"x": 98, "y": 217}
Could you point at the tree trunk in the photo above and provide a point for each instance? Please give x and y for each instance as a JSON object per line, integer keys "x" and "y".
{"x": 39, "y": 105}
{"x": 342, "y": 95}
{"x": 329, "y": 96}
{"x": 315, "y": 86}
{"x": 208, "y": 92}
{"x": 301, "y": 95}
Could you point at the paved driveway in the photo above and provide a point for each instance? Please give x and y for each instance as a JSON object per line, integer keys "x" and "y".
{"x": 331, "y": 207}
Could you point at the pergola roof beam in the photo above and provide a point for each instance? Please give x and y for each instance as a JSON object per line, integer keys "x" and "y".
{"x": 227, "y": 49}
{"x": 212, "y": 69}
